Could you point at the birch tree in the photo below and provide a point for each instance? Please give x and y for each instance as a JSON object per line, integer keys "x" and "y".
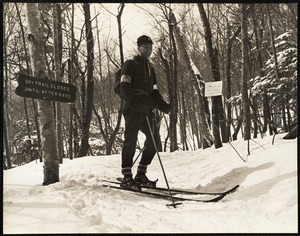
{"x": 36, "y": 51}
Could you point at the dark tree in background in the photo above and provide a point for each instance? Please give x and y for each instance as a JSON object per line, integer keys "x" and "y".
{"x": 89, "y": 99}
{"x": 217, "y": 105}
{"x": 245, "y": 72}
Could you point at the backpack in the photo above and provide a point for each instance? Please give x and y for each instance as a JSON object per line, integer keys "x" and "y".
{"x": 118, "y": 81}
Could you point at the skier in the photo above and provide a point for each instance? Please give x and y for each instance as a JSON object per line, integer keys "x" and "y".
{"x": 138, "y": 88}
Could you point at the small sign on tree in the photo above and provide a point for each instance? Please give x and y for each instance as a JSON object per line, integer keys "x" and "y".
{"x": 213, "y": 89}
{"x": 45, "y": 89}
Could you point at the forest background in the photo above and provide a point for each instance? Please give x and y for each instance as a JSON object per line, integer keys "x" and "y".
{"x": 251, "y": 48}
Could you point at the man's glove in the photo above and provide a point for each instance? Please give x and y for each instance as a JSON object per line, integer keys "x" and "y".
{"x": 160, "y": 102}
{"x": 166, "y": 108}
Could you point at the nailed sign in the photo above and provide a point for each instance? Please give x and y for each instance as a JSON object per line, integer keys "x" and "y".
{"x": 213, "y": 89}
{"x": 45, "y": 89}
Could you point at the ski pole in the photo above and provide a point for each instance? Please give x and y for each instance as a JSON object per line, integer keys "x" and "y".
{"x": 154, "y": 143}
{"x": 138, "y": 156}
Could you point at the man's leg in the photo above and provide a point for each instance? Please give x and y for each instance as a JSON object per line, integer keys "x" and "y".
{"x": 149, "y": 149}
{"x": 148, "y": 154}
{"x": 133, "y": 121}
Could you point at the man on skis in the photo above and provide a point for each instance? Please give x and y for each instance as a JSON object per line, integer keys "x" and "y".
{"x": 138, "y": 88}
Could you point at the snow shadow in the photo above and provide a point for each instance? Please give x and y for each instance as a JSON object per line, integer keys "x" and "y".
{"x": 238, "y": 176}
{"x": 265, "y": 186}
{"x": 234, "y": 177}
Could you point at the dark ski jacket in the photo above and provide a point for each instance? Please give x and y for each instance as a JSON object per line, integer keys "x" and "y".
{"x": 140, "y": 92}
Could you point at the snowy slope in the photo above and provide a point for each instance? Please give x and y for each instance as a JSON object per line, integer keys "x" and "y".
{"x": 266, "y": 201}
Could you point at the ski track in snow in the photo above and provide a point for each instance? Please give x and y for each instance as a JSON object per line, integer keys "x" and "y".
{"x": 265, "y": 202}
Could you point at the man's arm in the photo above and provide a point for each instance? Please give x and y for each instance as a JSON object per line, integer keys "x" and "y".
{"x": 126, "y": 89}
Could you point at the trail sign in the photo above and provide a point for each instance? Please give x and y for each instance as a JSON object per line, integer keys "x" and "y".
{"x": 45, "y": 89}
{"x": 213, "y": 89}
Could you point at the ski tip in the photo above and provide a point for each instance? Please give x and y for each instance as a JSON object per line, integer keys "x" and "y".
{"x": 237, "y": 186}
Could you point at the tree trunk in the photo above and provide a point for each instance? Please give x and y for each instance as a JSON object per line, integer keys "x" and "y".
{"x": 6, "y": 117}
{"x": 228, "y": 80}
{"x": 119, "y": 16}
{"x": 237, "y": 129}
{"x": 28, "y": 127}
{"x": 206, "y": 136}
{"x": 173, "y": 86}
{"x": 183, "y": 120}
{"x": 258, "y": 40}
{"x": 193, "y": 122}
{"x": 276, "y": 68}
{"x": 75, "y": 131}
{"x": 216, "y": 100}
{"x": 168, "y": 75}
{"x": 221, "y": 117}
{"x": 71, "y": 80}
{"x": 36, "y": 120}
{"x": 205, "y": 101}
{"x": 109, "y": 134}
{"x": 36, "y": 49}
{"x": 84, "y": 146}
{"x": 166, "y": 66}
{"x": 245, "y": 71}
{"x": 57, "y": 64}
{"x": 289, "y": 117}
{"x": 7, "y": 149}
{"x": 255, "y": 117}
{"x": 71, "y": 136}
{"x": 112, "y": 138}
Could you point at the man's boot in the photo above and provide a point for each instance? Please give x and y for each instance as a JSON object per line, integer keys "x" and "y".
{"x": 128, "y": 182}
{"x": 142, "y": 179}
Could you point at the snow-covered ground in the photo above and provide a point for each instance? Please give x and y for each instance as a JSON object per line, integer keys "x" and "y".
{"x": 266, "y": 202}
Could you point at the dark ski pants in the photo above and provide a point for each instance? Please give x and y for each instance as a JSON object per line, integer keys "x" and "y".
{"x": 135, "y": 121}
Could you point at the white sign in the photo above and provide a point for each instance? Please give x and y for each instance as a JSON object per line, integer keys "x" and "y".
{"x": 213, "y": 89}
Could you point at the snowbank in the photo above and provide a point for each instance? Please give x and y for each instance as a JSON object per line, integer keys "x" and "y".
{"x": 266, "y": 202}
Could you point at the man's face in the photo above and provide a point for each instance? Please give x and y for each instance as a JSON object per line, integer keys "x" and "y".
{"x": 145, "y": 50}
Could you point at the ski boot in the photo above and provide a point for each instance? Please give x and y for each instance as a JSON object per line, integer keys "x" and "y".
{"x": 129, "y": 183}
{"x": 143, "y": 181}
